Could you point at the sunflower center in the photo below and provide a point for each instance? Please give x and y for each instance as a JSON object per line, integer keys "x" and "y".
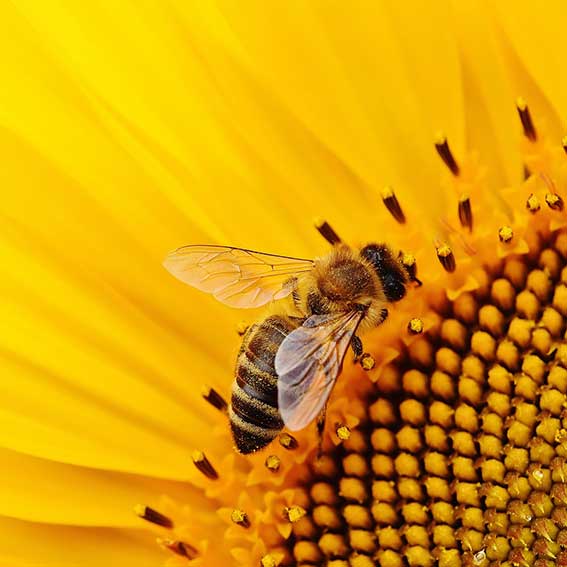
{"x": 461, "y": 456}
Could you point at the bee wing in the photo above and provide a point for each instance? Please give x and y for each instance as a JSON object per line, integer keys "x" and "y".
{"x": 234, "y": 276}
{"x": 308, "y": 363}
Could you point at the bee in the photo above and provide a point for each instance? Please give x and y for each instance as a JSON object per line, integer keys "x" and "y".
{"x": 288, "y": 364}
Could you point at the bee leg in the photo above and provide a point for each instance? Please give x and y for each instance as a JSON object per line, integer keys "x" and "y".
{"x": 321, "y": 430}
{"x": 357, "y": 347}
{"x": 383, "y": 316}
{"x": 418, "y": 282}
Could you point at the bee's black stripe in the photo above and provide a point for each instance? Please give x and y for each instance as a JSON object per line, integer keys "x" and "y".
{"x": 262, "y": 389}
{"x": 248, "y": 437}
{"x": 253, "y": 410}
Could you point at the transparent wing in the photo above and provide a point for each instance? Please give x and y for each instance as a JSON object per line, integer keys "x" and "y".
{"x": 308, "y": 363}
{"x": 237, "y": 277}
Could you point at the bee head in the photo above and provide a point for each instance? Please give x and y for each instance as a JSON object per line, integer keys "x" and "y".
{"x": 389, "y": 270}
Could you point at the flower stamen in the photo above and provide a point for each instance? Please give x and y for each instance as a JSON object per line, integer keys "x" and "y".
{"x": 415, "y": 326}
{"x": 178, "y": 547}
{"x": 410, "y": 264}
{"x": 393, "y": 205}
{"x": 272, "y": 463}
{"x": 533, "y": 204}
{"x": 442, "y": 147}
{"x": 240, "y": 518}
{"x": 327, "y": 232}
{"x": 153, "y": 516}
{"x": 526, "y": 119}
{"x": 554, "y": 201}
{"x": 505, "y": 234}
{"x": 288, "y": 441}
{"x": 294, "y": 513}
{"x": 268, "y": 561}
{"x": 214, "y": 398}
{"x": 446, "y": 257}
{"x": 367, "y": 361}
{"x": 204, "y": 465}
{"x": 465, "y": 212}
{"x": 343, "y": 432}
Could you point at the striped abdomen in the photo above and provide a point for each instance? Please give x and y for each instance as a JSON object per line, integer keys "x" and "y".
{"x": 254, "y": 416}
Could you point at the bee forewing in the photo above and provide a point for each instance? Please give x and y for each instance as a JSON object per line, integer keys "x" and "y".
{"x": 234, "y": 276}
{"x": 308, "y": 363}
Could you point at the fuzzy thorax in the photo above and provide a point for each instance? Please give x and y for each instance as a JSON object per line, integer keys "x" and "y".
{"x": 342, "y": 281}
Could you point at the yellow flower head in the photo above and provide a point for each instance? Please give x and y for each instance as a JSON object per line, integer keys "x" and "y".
{"x": 129, "y": 129}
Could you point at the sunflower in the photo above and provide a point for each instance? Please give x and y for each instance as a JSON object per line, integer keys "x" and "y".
{"x": 129, "y": 129}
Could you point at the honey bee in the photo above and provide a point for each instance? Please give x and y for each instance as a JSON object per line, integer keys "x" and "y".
{"x": 288, "y": 364}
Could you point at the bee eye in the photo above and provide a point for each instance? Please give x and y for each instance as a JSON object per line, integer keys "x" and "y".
{"x": 394, "y": 289}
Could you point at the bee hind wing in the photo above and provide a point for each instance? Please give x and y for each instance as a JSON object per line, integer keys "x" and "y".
{"x": 308, "y": 363}
{"x": 235, "y": 276}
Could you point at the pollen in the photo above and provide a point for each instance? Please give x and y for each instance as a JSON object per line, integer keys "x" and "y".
{"x": 415, "y": 326}
{"x": 343, "y": 432}
{"x": 554, "y": 201}
{"x": 268, "y": 561}
{"x": 505, "y": 234}
{"x": 367, "y": 361}
{"x": 240, "y": 518}
{"x": 532, "y": 204}
{"x": 287, "y": 441}
{"x": 294, "y": 513}
{"x": 273, "y": 463}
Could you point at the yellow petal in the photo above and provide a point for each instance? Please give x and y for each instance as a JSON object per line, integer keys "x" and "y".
{"x": 26, "y": 544}
{"x": 531, "y": 40}
{"x": 490, "y": 116}
{"x": 375, "y": 114}
{"x": 39, "y": 490}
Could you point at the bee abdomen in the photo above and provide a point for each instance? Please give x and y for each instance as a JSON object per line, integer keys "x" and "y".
{"x": 249, "y": 437}
{"x": 254, "y": 416}
{"x": 254, "y": 410}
